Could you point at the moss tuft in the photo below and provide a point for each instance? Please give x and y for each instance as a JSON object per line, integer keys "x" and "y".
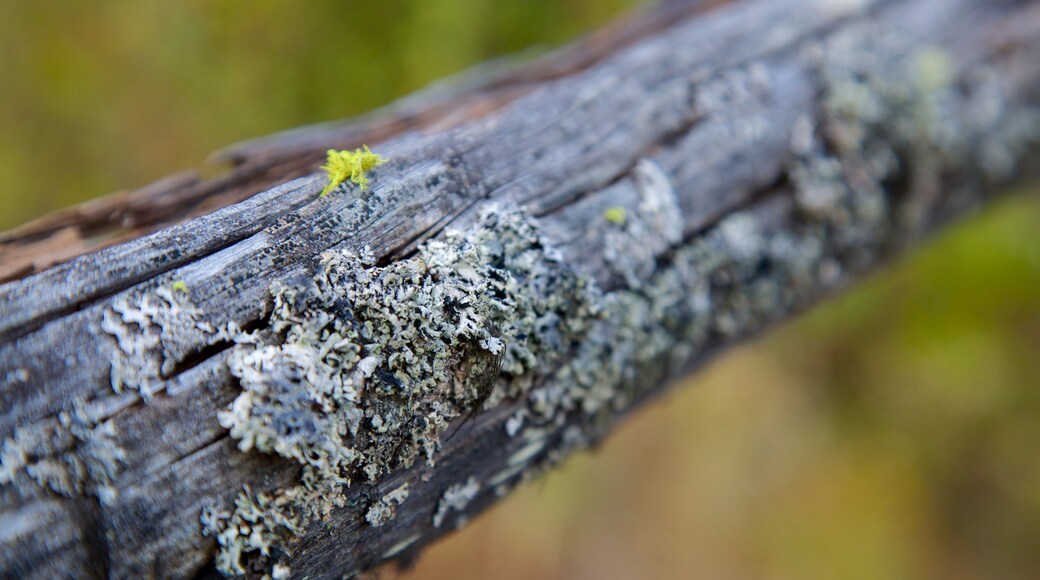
{"x": 353, "y": 165}
{"x": 615, "y": 215}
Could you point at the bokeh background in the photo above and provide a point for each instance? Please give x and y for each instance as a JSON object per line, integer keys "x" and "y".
{"x": 891, "y": 433}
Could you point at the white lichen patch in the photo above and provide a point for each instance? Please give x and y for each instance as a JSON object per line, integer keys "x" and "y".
{"x": 515, "y": 422}
{"x": 154, "y": 331}
{"x": 536, "y": 439}
{"x": 401, "y": 546}
{"x": 385, "y": 509}
{"x": 455, "y": 498}
{"x": 522, "y": 458}
{"x": 76, "y": 454}
{"x": 280, "y": 572}
{"x": 256, "y": 521}
{"x": 496, "y": 481}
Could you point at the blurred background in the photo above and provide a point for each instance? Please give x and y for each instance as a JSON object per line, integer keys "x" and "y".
{"x": 891, "y": 433}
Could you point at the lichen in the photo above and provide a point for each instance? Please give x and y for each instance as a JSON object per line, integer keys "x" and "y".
{"x": 373, "y": 357}
{"x": 77, "y": 454}
{"x": 353, "y": 165}
{"x": 455, "y": 498}
{"x": 280, "y": 571}
{"x": 366, "y": 365}
{"x": 515, "y": 422}
{"x": 257, "y": 522}
{"x": 154, "y": 331}
{"x": 401, "y": 546}
{"x": 891, "y": 126}
{"x": 385, "y": 509}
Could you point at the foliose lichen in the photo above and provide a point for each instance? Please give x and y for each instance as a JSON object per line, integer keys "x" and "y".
{"x": 455, "y": 498}
{"x": 76, "y": 454}
{"x": 385, "y": 509}
{"x": 155, "y": 330}
{"x": 891, "y": 127}
{"x": 366, "y": 365}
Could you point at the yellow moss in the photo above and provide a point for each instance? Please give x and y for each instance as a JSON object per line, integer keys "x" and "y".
{"x": 615, "y": 215}
{"x": 352, "y": 165}
{"x": 179, "y": 286}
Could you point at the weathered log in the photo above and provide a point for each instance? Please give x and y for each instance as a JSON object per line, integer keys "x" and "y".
{"x": 306, "y": 385}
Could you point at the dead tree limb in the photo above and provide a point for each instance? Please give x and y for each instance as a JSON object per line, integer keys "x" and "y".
{"x": 271, "y": 387}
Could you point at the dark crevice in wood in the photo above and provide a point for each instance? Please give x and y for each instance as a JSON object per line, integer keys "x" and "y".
{"x": 88, "y": 512}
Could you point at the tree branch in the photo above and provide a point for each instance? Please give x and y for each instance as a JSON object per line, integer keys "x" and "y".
{"x": 271, "y": 387}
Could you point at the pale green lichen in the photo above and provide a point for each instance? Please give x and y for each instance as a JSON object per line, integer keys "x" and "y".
{"x": 892, "y": 114}
{"x": 367, "y": 365}
{"x": 385, "y": 509}
{"x": 77, "y": 454}
{"x": 154, "y": 331}
{"x": 933, "y": 69}
{"x": 255, "y": 523}
{"x": 862, "y": 177}
{"x": 455, "y": 498}
{"x": 412, "y": 336}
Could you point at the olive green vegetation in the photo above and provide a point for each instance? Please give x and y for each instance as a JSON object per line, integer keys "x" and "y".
{"x": 888, "y": 434}
{"x": 97, "y": 96}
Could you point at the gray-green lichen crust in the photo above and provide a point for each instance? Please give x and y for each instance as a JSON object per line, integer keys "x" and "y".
{"x": 455, "y": 498}
{"x": 891, "y": 127}
{"x": 384, "y": 510}
{"x": 154, "y": 331}
{"x": 76, "y": 454}
{"x": 366, "y": 365}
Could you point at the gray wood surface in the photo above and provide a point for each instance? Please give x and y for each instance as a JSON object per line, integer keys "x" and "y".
{"x": 612, "y": 228}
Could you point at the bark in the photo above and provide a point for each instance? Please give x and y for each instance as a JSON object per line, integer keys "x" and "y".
{"x": 317, "y": 385}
